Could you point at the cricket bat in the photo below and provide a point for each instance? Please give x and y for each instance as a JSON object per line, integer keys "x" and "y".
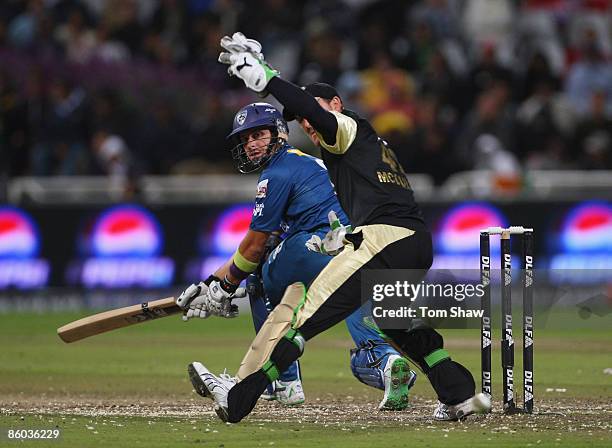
{"x": 119, "y": 318}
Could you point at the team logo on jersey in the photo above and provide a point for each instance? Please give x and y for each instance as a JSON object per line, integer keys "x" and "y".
{"x": 241, "y": 117}
{"x": 262, "y": 189}
{"x": 258, "y": 210}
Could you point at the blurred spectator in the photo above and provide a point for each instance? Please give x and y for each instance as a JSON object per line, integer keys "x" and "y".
{"x": 168, "y": 32}
{"x": 73, "y": 67}
{"x": 381, "y": 24}
{"x": 23, "y": 29}
{"x": 78, "y": 41}
{"x": 538, "y": 72}
{"x": 108, "y": 50}
{"x": 490, "y": 154}
{"x": 441, "y": 15}
{"x": 493, "y": 116}
{"x": 545, "y": 121}
{"x": 120, "y": 18}
{"x": 210, "y": 152}
{"x": 590, "y": 74}
{"x": 537, "y": 36}
{"x": 13, "y": 128}
{"x": 593, "y": 138}
{"x": 385, "y": 87}
{"x": 487, "y": 71}
{"x": 164, "y": 138}
{"x": 61, "y": 149}
{"x": 321, "y": 56}
{"x": 423, "y": 44}
{"x": 487, "y": 21}
{"x": 114, "y": 159}
{"x": 438, "y": 79}
{"x": 428, "y": 147}
{"x": 589, "y": 25}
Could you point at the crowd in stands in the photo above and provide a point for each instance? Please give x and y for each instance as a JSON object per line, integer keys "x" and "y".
{"x": 113, "y": 86}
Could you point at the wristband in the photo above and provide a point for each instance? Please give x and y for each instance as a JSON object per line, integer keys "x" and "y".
{"x": 243, "y": 264}
{"x": 211, "y": 278}
{"x": 228, "y": 286}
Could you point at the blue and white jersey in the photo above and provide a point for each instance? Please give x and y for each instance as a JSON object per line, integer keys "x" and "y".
{"x": 294, "y": 194}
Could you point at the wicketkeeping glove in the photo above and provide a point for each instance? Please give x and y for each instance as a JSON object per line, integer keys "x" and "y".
{"x": 255, "y": 72}
{"x": 333, "y": 242}
{"x": 239, "y": 43}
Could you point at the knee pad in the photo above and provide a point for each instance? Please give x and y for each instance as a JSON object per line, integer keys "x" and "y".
{"x": 288, "y": 349}
{"x": 368, "y": 363}
{"x": 273, "y": 331}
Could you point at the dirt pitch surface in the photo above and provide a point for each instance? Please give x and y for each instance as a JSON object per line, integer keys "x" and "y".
{"x": 563, "y": 416}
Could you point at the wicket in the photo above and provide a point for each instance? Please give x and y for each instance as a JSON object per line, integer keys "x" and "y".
{"x": 507, "y": 342}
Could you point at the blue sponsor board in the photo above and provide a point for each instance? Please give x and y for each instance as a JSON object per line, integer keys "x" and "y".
{"x": 20, "y": 266}
{"x": 122, "y": 250}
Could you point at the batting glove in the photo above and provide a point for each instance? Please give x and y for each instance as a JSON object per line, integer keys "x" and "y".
{"x": 254, "y": 72}
{"x": 209, "y": 299}
{"x": 333, "y": 242}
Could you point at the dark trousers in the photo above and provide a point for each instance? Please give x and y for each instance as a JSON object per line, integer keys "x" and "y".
{"x": 336, "y": 292}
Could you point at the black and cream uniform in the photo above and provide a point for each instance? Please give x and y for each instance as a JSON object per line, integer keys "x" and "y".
{"x": 389, "y": 233}
{"x": 369, "y": 181}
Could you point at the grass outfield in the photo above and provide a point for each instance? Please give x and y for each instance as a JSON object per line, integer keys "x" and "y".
{"x": 130, "y": 388}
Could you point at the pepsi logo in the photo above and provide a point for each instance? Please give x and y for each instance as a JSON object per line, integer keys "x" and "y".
{"x": 459, "y": 230}
{"x": 126, "y": 230}
{"x": 18, "y": 234}
{"x": 230, "y": 228}
{"x": 588, "y": 227}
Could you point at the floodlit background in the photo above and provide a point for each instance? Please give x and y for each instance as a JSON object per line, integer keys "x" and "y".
{"x": 117, "y": 187}
{"x": 113, "y": 115}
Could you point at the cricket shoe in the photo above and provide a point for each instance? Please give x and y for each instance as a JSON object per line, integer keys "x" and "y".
{"x": 398, "y": 379}
{"x": 211, "y": 386}
{"x": 478, "y": 404}
{"x": 288, "y": 393}
{"x": 269, "y": 394}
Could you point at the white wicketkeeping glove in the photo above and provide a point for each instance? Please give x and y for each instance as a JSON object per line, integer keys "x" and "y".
{"x": 204, "y": 300}
{"x": 255, "y": 72}
{"x": 239, "y": 43}
{"x": 333, "y": 242}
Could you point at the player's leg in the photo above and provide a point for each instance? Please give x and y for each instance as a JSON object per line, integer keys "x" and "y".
{"x": 289, "y": 263}
{"x": 260, "y": 310}
{"x": 452, "y": 382}
{"x": 378, "y": 364}
{"x": 333, "y": 296}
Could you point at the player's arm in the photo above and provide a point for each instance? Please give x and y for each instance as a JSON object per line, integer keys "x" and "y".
{"x": 336, "y": 131}
{"x": 304, "y": 105}
{"x": 246, "y": 259}
{"x": 214, "y": 295}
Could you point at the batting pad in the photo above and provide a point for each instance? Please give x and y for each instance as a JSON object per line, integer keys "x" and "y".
{"x": 274, "y": 328}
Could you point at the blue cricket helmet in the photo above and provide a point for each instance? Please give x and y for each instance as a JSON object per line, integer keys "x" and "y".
{"x": 252, "y": 116}
{"x": 258, "y": 115}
